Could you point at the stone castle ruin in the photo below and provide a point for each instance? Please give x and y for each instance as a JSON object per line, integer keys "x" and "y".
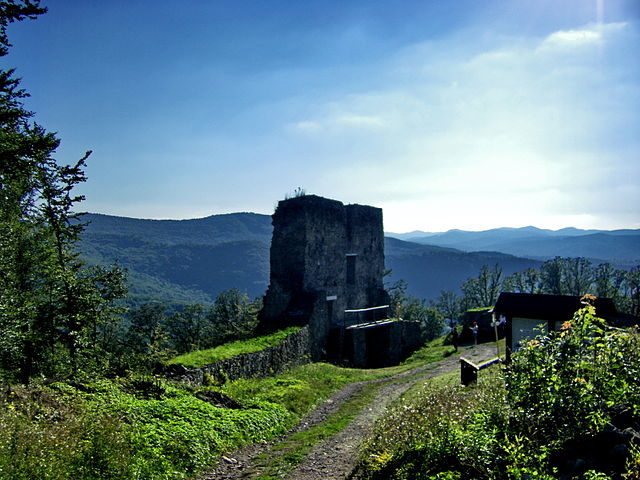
{"x": 327, "y": 264}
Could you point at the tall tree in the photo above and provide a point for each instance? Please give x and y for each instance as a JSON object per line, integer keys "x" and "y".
{"x": 552, "y": 276}
{"x": 523, "y": 282}
{"x": 483, "y": 290}
{"x": 449, "y": 304}
{"x": 411, "y": 308}
{"x": 148, "y": 333}
{"x": 578, "y": 276}
{"x": 233, "y": 315}
{"x": 47, "y": 297}
{"x": 633, "y": 290}
{"x": 608, "y": 281}
{"x": 190, "y": 329}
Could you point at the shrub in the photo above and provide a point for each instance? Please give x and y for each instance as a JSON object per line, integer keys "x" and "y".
{"x": 563, "y": 385}
{"x": 560, "y": 389}
{"x": 446, "y": 431}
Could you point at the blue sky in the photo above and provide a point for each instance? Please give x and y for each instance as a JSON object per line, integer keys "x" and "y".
{"x": 447, "y": 114}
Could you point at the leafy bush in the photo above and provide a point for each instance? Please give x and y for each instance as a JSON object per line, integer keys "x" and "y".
{"x": 560, "y": 389}
{"x": 563, "y": 385}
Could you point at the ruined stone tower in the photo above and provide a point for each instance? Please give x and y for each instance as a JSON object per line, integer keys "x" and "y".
{"x": 327, "y": 264}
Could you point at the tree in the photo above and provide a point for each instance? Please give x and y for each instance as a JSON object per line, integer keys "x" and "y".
{"x": 407, "y": 307}
{"x": 578, "y": 276}
{"x": 397, "y": 298}
{"x": 190, "y": 329}
{"x": 523, "y": 282}
{"x": 483, "y": 291}
{"x": 147, "y": 333}
{"x": 608, "y": 282}
{"x": 233, "y": 315}
{"x": 449, "y": 304}
{"x": 48, "y": 299}
{"x": 633, "y": 290}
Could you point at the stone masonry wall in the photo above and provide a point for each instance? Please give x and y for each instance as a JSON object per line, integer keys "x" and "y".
{"x": 292, "y": 351}
{"x": 326, "y": 257}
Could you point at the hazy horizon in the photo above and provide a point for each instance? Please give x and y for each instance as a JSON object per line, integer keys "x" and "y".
{"x": 386, "y": 231}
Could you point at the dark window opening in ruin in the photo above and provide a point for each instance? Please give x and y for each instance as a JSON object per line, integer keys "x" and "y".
{"x": 351, "y": 269}
{"x": 330, "y": 301}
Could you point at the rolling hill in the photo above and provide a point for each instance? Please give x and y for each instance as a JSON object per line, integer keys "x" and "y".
{"x": 186, "y": 261}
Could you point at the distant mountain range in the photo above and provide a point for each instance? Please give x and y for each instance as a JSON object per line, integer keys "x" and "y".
{"x": 620, "y": 247}
{"x": 187, "y": 261}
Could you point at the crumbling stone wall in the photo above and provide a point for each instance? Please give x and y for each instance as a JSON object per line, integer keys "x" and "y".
{"x": 326, "y": 258}
{"x": 291, "y": 352}
{"x": 380, "y": 345}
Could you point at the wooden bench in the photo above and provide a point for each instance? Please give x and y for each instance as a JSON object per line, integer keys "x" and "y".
{"x": 469, "y": 370}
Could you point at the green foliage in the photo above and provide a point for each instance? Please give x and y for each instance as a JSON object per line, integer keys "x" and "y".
{"x": 406, "y": 307}
{"x": 152, "y": 333}
{"x": 203, "y": 357}
{"x": 484, "y": 289}
{"x": 449, "y": 304}
{"x": 558, "y": 276}
{"x": 440, "y": 429}
{"x": 563, "y": 385}
{"x": 559, "y": 388}
{"x": 140, "y": 428}
{"x": 51, "y": 306}
{"x": 44, "y": 435}
{"x": 577, "y": 276}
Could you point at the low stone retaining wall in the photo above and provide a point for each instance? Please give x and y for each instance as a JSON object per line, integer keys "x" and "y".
{"x": 292, "y": 351}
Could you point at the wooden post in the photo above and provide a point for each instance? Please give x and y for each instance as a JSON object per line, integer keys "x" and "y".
{"x": 468, "y": 372}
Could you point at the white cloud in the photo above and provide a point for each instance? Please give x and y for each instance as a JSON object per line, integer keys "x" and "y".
{"x": 359, "y": 121}
{"x": 307, "y": 126}
{"x": 484, "y": 139}
{"x": 588, "y": 36}
{"x": 572, "y": 38}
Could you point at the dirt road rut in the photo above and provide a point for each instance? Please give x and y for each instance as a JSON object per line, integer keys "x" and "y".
{"x": 335, "y": 457}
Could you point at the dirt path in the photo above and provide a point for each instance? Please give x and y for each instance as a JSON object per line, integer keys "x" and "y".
{"x": 335, "y": 457}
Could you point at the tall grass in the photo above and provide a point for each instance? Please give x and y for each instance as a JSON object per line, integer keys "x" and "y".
{"x": 437, "y": 429}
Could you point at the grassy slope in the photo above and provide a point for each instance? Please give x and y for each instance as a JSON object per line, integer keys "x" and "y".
{"x": 144, "y": 428}
{"x": 200, "y": 358}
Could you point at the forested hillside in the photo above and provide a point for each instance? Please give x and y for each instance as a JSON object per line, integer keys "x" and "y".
{"x": 428, "y": 270}
{"x": 212, "y": 230}
{"x": 172, "y": 260}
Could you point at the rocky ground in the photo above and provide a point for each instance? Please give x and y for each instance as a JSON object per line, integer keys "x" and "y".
{"x": 335, "y": 458}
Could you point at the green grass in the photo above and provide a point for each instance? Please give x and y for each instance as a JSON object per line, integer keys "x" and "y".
{"x": 432, "y": 351}
{"x": 144, "y": 428}
{"x": 479, "y": 309}
{"x": 289, "y": 453}
{"x": 200, "y": 358}
{"x": 302, "y": 388}
{"x": 139, "y": 428}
